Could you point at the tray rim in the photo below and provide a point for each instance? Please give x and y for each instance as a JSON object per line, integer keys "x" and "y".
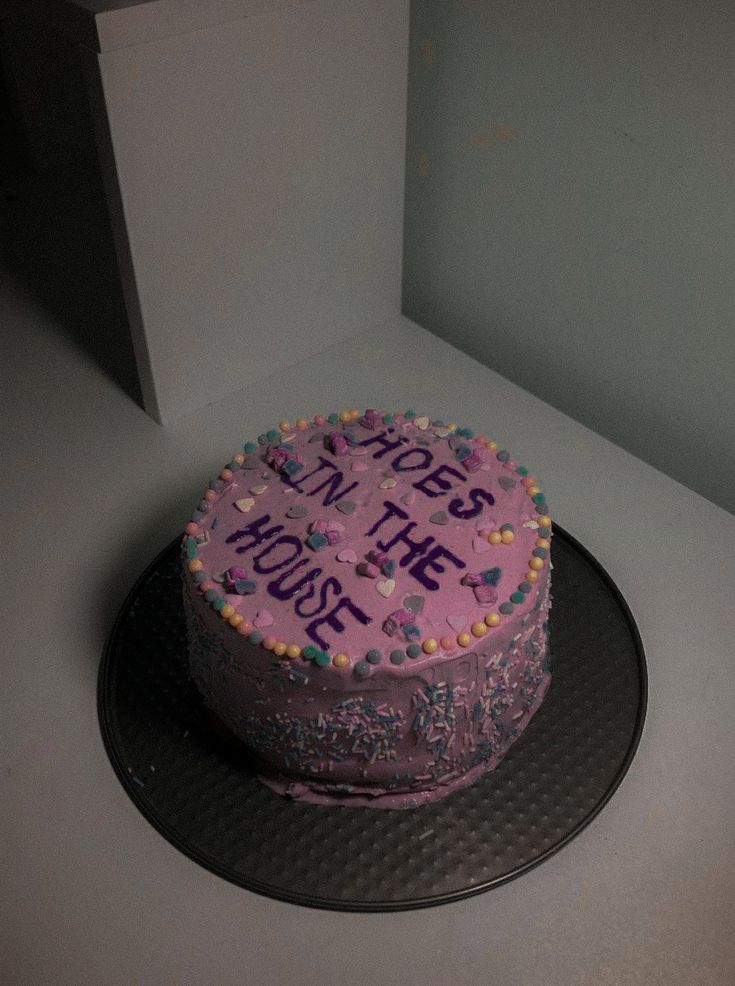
{"x": 159, "y": 823}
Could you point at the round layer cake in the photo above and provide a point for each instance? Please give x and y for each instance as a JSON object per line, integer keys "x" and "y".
{"x": 367, "y": 600}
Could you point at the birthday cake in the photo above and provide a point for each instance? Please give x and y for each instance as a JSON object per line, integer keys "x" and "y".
{"x": 367, "y": 599}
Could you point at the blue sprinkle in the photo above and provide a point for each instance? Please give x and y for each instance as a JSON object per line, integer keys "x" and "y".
{"x": 196, "y": 516}
{"x": 362, "y": 669}
{"x": 210, "y": 595}
{"x": 414, "y": 650}
{"x": 291, "y": 467}
{"x": 317, "y": 541}
{"x": 411, "y": 630}
{"x": 503, "y": 456}
{"x": 540, "y": 552}
{"x": 525, "y": 586}
{"x": 262, "y": 439}
{"x": 256, "y": 637}
{"x": 373, "y": 656}
{"x": 506, "y": 608}
{"x": 218, "y": 603}
{"x": 506, "y": 527}
{"x": 462, "y": 453}
{"x": 397, "y": 657}
{"x": 389, "y": 568}
{"x": 491, "y": 576}
{"x": 201, "y": 576}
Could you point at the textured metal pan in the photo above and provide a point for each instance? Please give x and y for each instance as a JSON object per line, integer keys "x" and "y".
{"x": 193, "y": 783}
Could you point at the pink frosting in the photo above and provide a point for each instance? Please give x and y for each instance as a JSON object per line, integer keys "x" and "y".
{"x": 287, "y": 546}
{"x": 412, "y": 523}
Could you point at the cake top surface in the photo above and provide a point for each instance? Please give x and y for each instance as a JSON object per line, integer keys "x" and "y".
{"x": 368, "y": 537}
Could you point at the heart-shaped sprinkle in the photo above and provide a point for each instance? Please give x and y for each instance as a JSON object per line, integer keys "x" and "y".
{"x": 388, "y": 484}
{"x": 439, "y": 518}
{"x": 422, "y": 423}
{"x": 442, "y": 432}
{"x": 347, "y": 555}
{"x": 245, "y": 505}
{"x": 456, "y": 621}
{"x": 481, "y": 545}
{"x": 263, "y": 618}
{"x": 414, "y": 604}
{"x": 257, "y": 490}
{"x": 506, "y": 482}
{"x": 409, "y": 498}
{"x": 296, "y": 511}
{"x": 386, "y": 587}
{"x": 346, "y": 507}
{"x": 359, "y": 466}
{"x": 532, "y": 524}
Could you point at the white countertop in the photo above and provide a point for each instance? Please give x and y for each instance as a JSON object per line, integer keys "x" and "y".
{"x": 93, "y": 894}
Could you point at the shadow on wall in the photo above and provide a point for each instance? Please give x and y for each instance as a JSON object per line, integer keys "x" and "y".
{"x": 55, "y": 236}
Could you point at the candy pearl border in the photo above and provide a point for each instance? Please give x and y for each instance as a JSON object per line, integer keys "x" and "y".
{"x": 430, "y": 645}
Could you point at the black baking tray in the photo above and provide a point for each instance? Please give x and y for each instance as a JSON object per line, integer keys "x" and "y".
{"x": 195, "y": 786}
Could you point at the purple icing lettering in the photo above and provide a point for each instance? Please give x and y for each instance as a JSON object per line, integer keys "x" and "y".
{"x": 298, "y": 484}
{"x": 280, "y": 591}
{"x": 331, "y": 583}
{"x": 287, "y": 539}
{"x": 254, "y": 530}
{"x": 391, "y": 510}
{"x": 476, "y": 496}
{"x": 415, "y": 548}
{"x": 424, "y": 455}
{"x": 386, "y": 445}
{"x": 441, "y": 485}
{"x": 418, "y": 569}
{"x": 332, "y": 620}
{"x": 333, "y": 491}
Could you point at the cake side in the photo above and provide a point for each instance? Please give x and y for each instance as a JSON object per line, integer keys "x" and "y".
{"x": 367, "y": 605}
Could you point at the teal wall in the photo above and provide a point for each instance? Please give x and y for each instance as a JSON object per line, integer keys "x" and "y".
{"x": 570, "y": 212}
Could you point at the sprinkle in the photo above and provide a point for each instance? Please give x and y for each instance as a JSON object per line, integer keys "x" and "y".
{"x": 439, "y": 517}
{"x": 245, "y": 505}
{"x": 257, "y": 490}
{"x": 256, "y": 637}
{"x": 347, "y": 555}
{"x": 388, "y": 484}
{"x": 362, "y": 669}
{"x": 346, "y": 507}
{"x": 373, "y": 657}
{"x": 426, "y": 834}
{"x": 385, "y": 587}
{"x": 414, "y": 651}
{"x": 397, "y": 657}
{"x": 506, "y": 608}
{"x": 430, "y": 645}
{"x": 340, "y": 660}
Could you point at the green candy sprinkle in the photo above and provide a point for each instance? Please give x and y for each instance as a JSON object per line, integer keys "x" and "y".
{"x": 191, "y": 552}
{"x": 272, "y": 435}
{"x": 517, "y": 597}
{"x": 333, "y": 419}
{"x": 539, "y": 498}
{"x": 218, "y": 603}
{"x": 522, "y": 471}
{"x": 387, "y": 419}
{"x": 506, "y": 608}
{"x": 249, "y": 447}
{"x": 409, "y": 415}
{"x": 322, "y": 659}
{"x": 310, "y": 652}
